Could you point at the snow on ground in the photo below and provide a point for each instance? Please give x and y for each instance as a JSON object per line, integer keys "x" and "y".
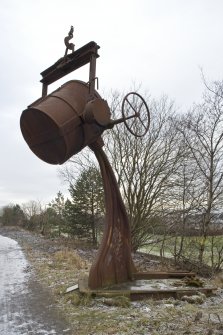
{"x": 24, "y": 307}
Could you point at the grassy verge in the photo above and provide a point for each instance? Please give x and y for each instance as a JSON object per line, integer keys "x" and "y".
{"x": 170, "y": 246}
{"x": 106, "y": 316}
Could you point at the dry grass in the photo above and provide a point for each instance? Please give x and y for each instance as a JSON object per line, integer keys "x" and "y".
{"x": 217, "y": 281}
{"x": 118, "y": 316}
{"x": 68, "y": 258}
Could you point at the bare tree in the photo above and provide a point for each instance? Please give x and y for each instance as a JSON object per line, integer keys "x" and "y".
{"x": 38, "y": 216}
{"x": 203, "y": 134}
{"x": 185, "y": 197}
{"x": 143, "y": 166}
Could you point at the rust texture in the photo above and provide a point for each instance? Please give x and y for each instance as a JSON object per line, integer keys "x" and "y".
{"x": 71, "y": 62}
{"x": 113, "y": 263}
{"x": 54, "y": 126}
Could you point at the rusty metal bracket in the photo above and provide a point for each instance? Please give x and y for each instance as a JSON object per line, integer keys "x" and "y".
{"x": 65, "y": 65}
{"x": 91, "y": 90}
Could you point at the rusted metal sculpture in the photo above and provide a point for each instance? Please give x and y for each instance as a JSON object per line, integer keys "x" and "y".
{"x": 61, "y": 124}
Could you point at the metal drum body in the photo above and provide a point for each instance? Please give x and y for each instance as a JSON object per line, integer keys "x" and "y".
{"x": 53, "y": 127}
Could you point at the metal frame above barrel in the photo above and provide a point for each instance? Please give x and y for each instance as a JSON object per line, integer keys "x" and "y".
{"x": 71, "y": 62}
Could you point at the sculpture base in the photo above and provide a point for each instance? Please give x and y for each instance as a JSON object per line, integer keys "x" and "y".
{"x": 149, "y": 285}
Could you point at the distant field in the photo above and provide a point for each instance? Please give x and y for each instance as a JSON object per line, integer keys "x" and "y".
{"x": 169, "y": 246}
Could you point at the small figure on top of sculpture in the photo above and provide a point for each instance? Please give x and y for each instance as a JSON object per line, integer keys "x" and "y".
{"x": 69, "y": 46}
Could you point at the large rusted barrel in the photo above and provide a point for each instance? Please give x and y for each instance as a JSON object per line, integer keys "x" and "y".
{"x": 52, "y": 126}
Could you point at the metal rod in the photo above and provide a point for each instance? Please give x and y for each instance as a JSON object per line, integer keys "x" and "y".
{"x": 44, "y": 90}
{"x": 114, "y": 122}
{"x": 92, "y": 75}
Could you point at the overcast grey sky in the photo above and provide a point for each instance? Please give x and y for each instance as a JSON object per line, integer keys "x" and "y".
{"x": 161, "y": 44}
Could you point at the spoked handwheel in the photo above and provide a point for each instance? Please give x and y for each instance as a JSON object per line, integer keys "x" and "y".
{"x": 135, "y": 113}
